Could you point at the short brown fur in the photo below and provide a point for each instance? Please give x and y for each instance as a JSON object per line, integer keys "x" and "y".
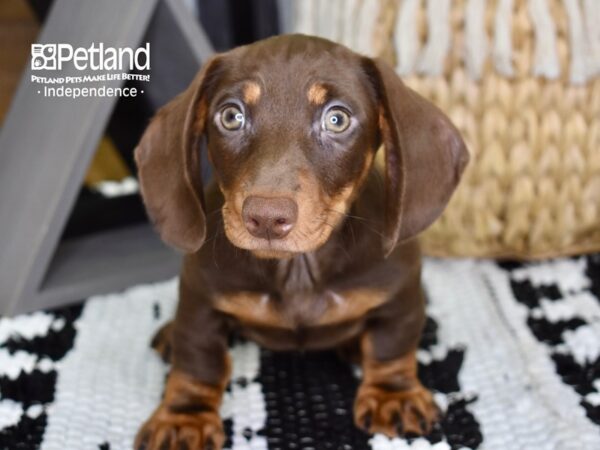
{"x": 346, "y": 275}
{"x": 189, "y": 413}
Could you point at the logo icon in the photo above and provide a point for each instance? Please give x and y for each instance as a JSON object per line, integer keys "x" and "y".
{"x": 43, "y": 56}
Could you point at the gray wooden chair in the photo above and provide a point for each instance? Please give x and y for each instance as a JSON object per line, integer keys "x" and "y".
{"x": 46, "y": 145}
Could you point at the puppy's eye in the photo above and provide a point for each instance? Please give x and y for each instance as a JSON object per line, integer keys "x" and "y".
{"x": 336, "y": 120}
{"x": 232, "y": 118}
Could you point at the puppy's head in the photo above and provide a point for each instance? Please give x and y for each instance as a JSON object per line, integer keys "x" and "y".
{"x": 292, "y": 125}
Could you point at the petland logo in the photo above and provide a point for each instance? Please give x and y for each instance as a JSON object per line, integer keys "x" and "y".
{"x": 95, "y": 71}
{"x": 94, "y": 57}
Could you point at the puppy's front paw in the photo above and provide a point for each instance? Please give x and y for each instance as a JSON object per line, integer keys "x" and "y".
{"x": 167, "y": 430}
{"x": 394, "y": 413}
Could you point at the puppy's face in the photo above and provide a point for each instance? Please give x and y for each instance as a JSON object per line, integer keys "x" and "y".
{"x": 292, "y": 124}
{"x": 291, "y": 127}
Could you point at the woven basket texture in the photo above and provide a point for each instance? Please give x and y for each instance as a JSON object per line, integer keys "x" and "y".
{"x": 531, "y": 119}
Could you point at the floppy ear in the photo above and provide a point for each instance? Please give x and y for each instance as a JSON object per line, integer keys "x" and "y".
{"x": 168, "y": 161}
{"x": 424, "y": 157}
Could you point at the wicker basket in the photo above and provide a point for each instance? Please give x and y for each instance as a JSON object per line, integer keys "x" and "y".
{"x": 520, "y": 79}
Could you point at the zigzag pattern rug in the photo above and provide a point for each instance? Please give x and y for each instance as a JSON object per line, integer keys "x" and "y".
{"x": 512, "y": 352}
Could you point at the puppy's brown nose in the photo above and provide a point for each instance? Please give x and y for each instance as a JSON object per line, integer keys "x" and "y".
{"x": 269, "y": 218}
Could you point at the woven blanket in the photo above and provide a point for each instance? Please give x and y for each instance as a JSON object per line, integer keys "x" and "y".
{"x": 512, "y": 352}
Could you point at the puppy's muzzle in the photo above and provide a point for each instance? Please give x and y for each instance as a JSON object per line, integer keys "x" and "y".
{"x": 269, "y": 218}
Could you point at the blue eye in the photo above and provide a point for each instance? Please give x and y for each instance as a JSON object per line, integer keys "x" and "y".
{"x": 232, "y": 118}
{"x": 336, "y": 120}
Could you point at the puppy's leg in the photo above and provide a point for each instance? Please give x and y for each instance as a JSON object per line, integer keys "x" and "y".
{"x": 350, "y": 351}
{"x": 391, "y": 399}
{"x": 161, "y": 342}
{"x": 188, "y": 415}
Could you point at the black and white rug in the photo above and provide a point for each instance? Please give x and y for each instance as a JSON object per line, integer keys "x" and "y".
{"x": 511, "y": 350}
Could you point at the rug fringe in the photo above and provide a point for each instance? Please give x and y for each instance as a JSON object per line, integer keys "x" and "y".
{"x": 502, "y": 51}
{"x": 354, "y": 22}
{"x": 431, "y": 61}
{"x": 476, "y": 40}
{"x": 579, "y": 64}
{"x": 367, "y": 19}
{"x": 545, "y": 62}
{"x": 349, "y": 14}
{"x": 305, "y": 17}
{"x": 591, "y": 14}
{"x": 406, "y": 38}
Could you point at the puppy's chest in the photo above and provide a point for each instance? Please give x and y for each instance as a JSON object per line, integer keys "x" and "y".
{"x": 298, "y": 298}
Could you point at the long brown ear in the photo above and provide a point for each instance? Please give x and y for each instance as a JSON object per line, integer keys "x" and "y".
{"x": 424, "y": 157}
{"x": 168, "y": 161}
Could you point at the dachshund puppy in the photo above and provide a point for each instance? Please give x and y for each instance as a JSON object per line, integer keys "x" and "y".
{"x": 301, "y": 241}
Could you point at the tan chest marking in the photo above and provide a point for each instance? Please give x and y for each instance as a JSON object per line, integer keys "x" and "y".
{"x": 328, "y": 308}
{"x": 250, "y": 308}
{"x": 351, "y": 305}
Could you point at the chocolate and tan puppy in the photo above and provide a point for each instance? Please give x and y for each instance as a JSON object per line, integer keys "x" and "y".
{"x": 300, "y": 242}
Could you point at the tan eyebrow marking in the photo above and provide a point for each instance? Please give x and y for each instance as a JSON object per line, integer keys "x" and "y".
{"x": 317, "y": 94}
{"x": 251, "y": 92}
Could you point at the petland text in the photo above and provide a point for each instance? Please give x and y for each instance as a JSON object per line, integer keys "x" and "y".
{"x": 94, "y": 57}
